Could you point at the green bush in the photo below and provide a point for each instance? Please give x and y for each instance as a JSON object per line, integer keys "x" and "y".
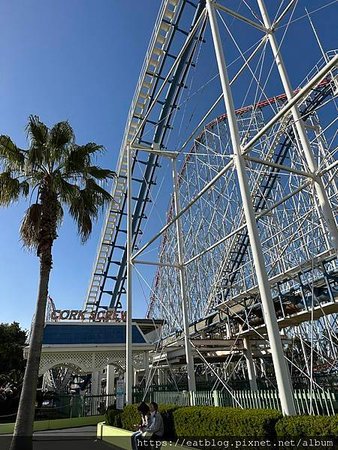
{"x": 113, "y": 417}
{"x": 167, "y": 412}
{"x": 305, "y": 426}
{"x": 334, "y": 426}
{"x": 207, "y": 421}
{"x": 131, "y": 417}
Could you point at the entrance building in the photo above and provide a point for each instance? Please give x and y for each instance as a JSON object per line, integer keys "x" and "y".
{"x": 97, "y": 349}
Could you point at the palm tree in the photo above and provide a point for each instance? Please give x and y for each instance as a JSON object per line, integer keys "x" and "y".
{"x": 58, "y": 173}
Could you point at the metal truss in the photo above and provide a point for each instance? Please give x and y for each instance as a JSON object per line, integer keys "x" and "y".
{"x": 251, "y": 227}
{"x": 302, "y": 267}
{"x": 287, "y": 230}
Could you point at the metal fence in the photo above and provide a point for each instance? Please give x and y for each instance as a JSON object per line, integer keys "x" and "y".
{"x": 316, "y": 402}
{"x": 68, "y": 406}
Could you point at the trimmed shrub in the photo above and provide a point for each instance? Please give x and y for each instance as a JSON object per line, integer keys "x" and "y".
{"x": 167, "y": 412}
{"x": 305, "y": 426}
{"x": 113, "y": 417}
{"x": 334, "y": 425}
{"x": 130, "y": 417}
{"x": 207, "y": 421}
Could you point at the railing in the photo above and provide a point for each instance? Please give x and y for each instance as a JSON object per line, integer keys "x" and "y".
{"x": 317, "y": 402}
{"x": 68, "y": 406}
{"x": 96, "y": 404}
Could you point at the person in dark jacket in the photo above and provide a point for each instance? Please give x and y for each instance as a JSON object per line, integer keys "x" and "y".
{"x": 155, "y": 429}
{"x": 144, "y": 410}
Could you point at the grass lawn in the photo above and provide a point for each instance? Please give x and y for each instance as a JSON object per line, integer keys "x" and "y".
{"x": 56, "y": 424}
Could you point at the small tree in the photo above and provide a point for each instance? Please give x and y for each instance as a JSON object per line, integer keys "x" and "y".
{"x": 12, "y": 342}
{"x": 60, "y": 174}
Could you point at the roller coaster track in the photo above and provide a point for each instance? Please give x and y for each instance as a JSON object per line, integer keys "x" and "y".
{"x": 239, "y": 246}
{"x": 111, "y": 253}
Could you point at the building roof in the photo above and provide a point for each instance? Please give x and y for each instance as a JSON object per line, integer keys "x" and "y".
{"x": 89, "y": 333}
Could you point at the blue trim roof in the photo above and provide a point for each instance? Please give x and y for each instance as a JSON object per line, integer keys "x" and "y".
{"x": 89, "y": 334}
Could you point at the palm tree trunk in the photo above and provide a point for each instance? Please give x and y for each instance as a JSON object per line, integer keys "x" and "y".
{"x": 23, "y": 431}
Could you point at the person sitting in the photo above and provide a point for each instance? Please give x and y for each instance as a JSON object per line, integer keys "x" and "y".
{"x": 155, "y": 429}
{"x": 144, "y": 410}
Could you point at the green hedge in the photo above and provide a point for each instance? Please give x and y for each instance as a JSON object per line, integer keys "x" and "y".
{"x": 199, "y": 421}
{"x": 129, "y": 417}
{"x": 209, "y": 421}
{"x": 203, "y": 421}
{"x": 305, "y": 426}
{"x": 113, "y": 417}
{"x": 168, "y": 414}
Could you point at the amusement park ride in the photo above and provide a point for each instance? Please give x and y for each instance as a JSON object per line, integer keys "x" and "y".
{"x": 246, "y": 273}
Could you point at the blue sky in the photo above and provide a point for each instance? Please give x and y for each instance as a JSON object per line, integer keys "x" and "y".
{"x": 80, "y": 60}
{"x": 77, "y": 60}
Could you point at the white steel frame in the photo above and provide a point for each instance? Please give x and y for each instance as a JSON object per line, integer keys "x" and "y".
{"x": 312, "y": 175}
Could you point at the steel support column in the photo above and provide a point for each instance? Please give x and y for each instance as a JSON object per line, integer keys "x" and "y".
{"x": 250, "y": 364}
{"x": 184, "y": 297}
{"x": 146, "y": 366}
{"x": 129, "y": 343}
{"x": 280, "y": 365}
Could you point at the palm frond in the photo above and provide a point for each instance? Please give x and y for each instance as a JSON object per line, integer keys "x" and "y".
{"x": 84, "y": 226}
{"x": 99, "y": 195}
{"x": 9, "y": 188}
{"x": 37, "y": 131}
{"x": 11, "y": 156}
{"x": 39, "y": 151}
{"x": 87, "y": 201}
{"x": 79, "y": 158}
{"x": 30, "y": 226}
{"x": 61, "y": 134}
{"x": 90, "y": 148}
{"x": 82, "y": 211}
{"x": 35, "y": 157}
{"x": 100, "y": 174}
{"x": 24, "y": 188}
{"x": 76, "y": 161}
{"x": 65, "y": 190}
{"x": 84, "y": 206}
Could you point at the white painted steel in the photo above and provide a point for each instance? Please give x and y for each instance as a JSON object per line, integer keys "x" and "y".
{"x": 246, "y": 148}
{"x": 300, "y": 127}
{"x": 280, "y": 366}
{"x": 250, "y": 364}
{"x": 183, "y": 287}
{"x": 129, "y": 326}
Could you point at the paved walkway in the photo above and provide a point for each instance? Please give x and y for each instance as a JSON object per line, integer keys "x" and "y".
{"x": 89, "y": 431}
{"x": 82, "y": 438}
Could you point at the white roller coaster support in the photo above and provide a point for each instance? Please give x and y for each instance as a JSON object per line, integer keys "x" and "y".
{"x": 250, "y": 364}
{"x": 300, "y": 128}
{"x": 302, "y": 93}
{"x": 281, "y": 369}
{"x": 129, "y": 342}
{"x": 184, "y": 297}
